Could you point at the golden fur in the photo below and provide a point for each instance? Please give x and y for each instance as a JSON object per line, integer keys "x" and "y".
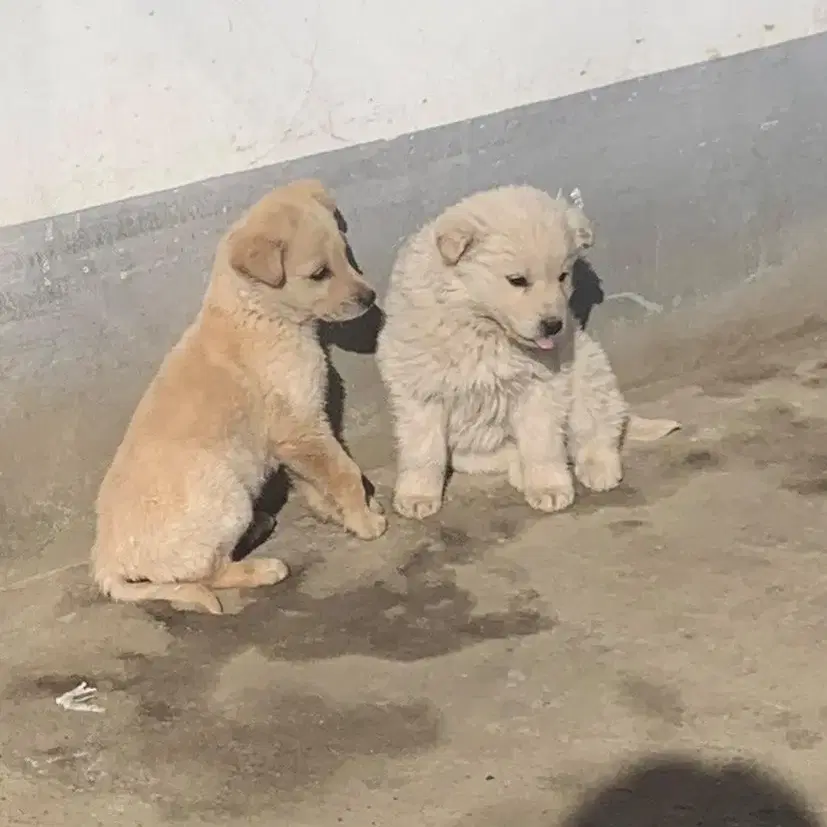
{"x": 241, "y": 393}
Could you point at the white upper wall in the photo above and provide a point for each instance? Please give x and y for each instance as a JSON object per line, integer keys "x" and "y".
{"x": 102, "y": 100}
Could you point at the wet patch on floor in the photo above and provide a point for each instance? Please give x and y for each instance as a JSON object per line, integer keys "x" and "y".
{"x": 270, "y": 748}
{"x": 426, "y": 615}
{"x": 731, "y": 381}
{"x": 271, "y": 745}
{"x": 653, "y": 701}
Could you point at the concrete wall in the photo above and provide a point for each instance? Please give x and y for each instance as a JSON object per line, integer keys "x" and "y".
{"x": 698, "y": 178}
{"x": 103, "y": 100}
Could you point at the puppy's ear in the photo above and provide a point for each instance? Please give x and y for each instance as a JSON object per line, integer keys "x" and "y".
{"x": 453, "y": 239}
{"x": 258, "y": 255}
{"x": 580, "y": 226}
{"x": 313, "y": 188}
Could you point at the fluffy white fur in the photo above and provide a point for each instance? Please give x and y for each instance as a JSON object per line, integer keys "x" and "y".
{"x": 475, "y": 381}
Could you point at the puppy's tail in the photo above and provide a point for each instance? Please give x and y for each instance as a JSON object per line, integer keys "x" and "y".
{"x": 117, "y": 588}
{"x": 641, "y": 429}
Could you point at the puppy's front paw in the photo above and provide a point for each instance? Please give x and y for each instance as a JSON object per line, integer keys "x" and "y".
{"x": 321, "y": 505}
{"x": 416, "y": 507}
{"x": 550, "y": 500}
{"x": 550, "y": 491}
{"x": 599, "y": 469}
{"x": 417, "y": 496}
{"x": 272, "y": 570}
{"x": 367, "y": 525}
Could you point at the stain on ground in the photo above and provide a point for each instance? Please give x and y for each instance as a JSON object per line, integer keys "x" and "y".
{"x": 271, "y": 744}
{"x": 651, "y": 700}
{"x": 621, "y": 527}
{"x": 730, "y": 382}
{"x": 431, "y": 617}
{"x": 773, "y": 435}
{"x": 270, "y": 747}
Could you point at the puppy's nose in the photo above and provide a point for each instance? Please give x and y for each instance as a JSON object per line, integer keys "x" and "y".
{"x": 551, "y": 326}
{"x": 367, "y": 297}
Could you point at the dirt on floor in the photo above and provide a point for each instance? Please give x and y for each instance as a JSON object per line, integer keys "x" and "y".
{"x": 653, "y": 656}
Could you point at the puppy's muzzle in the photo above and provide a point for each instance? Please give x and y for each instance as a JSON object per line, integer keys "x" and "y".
{"x": 547, "y": 329}
{"x": 550, "y": 326}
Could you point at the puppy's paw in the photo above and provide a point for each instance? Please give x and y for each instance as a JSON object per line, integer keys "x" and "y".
{"x": 550, "y": 500}
{"x": 272, "y": 570}
{"x": 418, "y": 495}
{"x": 416, "y": 506}
{"x": 549, "y": 491}
{"x": 599, "y": 469}
{"x": 366, "y": 525}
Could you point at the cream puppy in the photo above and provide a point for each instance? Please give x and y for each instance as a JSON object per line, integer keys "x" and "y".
{"x": 487, "y": 370}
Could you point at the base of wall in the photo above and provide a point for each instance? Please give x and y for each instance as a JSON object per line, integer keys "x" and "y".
{"x": 699, "y": 180}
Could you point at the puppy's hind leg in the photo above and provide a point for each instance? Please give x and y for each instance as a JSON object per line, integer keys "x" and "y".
{"x": 225, "y": 573}
{"x": 196, "y": 594}
{"x": 196, "y": 550}
{"x": 249, "y": 574}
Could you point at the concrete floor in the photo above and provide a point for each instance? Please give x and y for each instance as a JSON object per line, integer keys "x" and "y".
{"x": 650, "y": 657}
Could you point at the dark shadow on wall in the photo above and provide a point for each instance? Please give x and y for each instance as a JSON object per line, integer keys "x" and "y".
{"x": 359, "y": 335}
{"x": 678, "y": 791}
{"x": 355, "y": 336}
{"x": 587, "y": 291}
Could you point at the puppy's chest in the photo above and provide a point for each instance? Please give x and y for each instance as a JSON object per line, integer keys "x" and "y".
{"x": 300, "y": 380}
{"x": 484, "y": 385}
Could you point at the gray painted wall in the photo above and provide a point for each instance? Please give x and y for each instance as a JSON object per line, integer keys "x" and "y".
{"x": 697, "y": 179}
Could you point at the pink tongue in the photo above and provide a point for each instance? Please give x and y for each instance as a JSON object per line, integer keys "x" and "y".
{"x": 546, "y": 343}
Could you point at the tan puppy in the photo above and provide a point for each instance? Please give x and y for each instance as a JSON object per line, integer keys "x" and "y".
{"x": 241, "y": 393}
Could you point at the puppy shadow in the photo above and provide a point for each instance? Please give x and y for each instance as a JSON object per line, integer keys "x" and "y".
{"x": 266, "y": 508}
{"x": 587, "y": 291}
{"x": 358, "y": 335}
{"x": 361, "y": 332}
{"x": 354, "y": 336}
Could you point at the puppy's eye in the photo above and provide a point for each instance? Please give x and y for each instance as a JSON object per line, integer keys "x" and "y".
{"x": 562, "y": 277}
{"x": 321, "y": 274}
{"x": 517, "y": 281}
